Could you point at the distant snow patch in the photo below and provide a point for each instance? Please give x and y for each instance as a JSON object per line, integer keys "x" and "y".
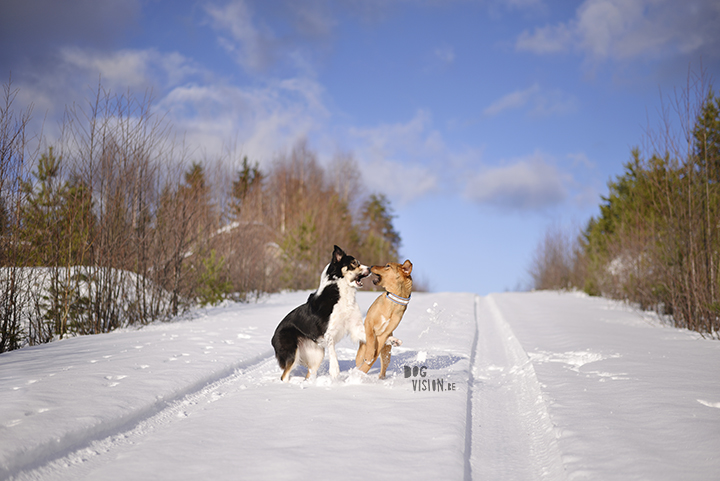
{"x": 575, "y": 359}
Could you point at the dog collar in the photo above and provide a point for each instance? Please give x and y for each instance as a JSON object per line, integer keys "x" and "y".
{"x": 403, "y": 301}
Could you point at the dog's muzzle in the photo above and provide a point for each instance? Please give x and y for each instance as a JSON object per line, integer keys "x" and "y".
{"x": 364, "y": 272}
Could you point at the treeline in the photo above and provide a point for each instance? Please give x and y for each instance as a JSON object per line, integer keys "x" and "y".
{"x": 118, "y": 224}
{"x": 656, "y": 241}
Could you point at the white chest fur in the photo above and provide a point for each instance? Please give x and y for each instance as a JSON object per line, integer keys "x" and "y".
{"x": 346, "y": 317}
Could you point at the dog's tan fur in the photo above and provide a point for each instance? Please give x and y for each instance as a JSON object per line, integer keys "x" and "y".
{"x": 384, "y": 316}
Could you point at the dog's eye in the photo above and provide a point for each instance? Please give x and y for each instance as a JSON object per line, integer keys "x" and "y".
{"x": 387, "y": 266}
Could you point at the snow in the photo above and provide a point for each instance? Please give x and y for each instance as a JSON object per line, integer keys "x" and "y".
{"x": 540, "y": 385}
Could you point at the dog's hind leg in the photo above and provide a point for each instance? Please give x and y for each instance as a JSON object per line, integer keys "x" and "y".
{"x": 311, "y": 355}
{"x": 289, "y": 366}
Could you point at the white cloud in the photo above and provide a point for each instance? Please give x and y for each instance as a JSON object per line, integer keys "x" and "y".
{"x": 312, "y": 18}
{"x": 527, "y": 184}
{"x": 415, "y": 138}
{"x": 136, "y": 70}
{"x": 400, "y": 181}
{"x": 627, "y": 29}
{"x": 401, "y": 160}
{"x": 539, "y": 103}
{"x": 74, "y": 74}
{"x": 211, "y": 116}
{"x": 262, "y": 121}
{"x": 511, "y": 101}
{"x": 251, "y": 46}
{"x": 554, "y": 102}
{"x": 124, "y": 69}
{"x": 548, "y": 39}
{"x": 580, "y": 158}
{"x": 257, "y": 45}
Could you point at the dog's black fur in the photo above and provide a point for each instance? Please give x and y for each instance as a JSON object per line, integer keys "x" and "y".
{"x": 303, "y": 334}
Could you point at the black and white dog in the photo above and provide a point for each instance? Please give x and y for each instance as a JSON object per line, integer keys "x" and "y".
{"x": 329, "y": 314}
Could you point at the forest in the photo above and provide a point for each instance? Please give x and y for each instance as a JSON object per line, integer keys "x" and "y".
{"x": 119, "y": 223}
{"x": 656, "y": 241}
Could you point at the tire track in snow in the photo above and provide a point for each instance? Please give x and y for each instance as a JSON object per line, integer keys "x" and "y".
{"x": 89, "y": 451}
{"x": 512, "y": 434}
{"x": 471, "y": 387}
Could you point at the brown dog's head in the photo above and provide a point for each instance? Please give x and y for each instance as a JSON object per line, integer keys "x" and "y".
{"x": 394, "y": 277}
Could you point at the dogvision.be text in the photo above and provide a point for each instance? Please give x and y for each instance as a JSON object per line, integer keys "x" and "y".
{"x": 423, "y": 384}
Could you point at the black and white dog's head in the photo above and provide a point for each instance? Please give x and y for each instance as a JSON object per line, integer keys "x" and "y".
{"x": 343, "y": 266}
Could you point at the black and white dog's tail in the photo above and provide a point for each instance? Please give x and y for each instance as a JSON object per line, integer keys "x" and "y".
{"x": 285, "y": 342}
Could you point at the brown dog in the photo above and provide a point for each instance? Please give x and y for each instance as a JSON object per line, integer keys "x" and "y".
{"x": 384, "y": 315}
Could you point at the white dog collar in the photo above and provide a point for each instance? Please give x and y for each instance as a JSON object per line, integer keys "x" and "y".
{"x": 403, "y": 301}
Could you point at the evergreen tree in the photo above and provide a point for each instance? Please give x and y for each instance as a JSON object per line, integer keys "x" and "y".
{"x": 249, "y": 177}
{"x": 380, "y": 240}
{"x": 706, "y": 135}
{"x": 57, "y": 216}
{"x": 300, "y": 245}
{"x": 214, "y": 286}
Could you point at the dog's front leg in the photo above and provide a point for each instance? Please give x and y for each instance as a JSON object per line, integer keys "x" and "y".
{"x": 357, "y": 331}
{"x": 332, "y": 356}
{"x": 369, "y": 353}
{"x": 384, "y": 359}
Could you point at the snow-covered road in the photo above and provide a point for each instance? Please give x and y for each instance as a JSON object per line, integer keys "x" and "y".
{"x": 508, "y": 386}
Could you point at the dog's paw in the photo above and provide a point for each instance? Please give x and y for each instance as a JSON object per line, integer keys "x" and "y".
{"x": 393, "y": 341}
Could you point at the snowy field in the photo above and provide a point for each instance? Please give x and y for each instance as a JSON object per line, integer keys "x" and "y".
{"x": 516, "y": 386}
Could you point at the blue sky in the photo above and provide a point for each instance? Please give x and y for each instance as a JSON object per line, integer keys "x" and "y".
{"x": 484, "y": 122}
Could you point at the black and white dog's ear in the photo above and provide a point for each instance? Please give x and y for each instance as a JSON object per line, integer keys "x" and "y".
{"x": 338, "y": 254}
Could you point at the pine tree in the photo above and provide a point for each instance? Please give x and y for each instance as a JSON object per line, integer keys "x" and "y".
{"x": 42, "y": 214}
{"x": 380, "y": 240}
{"x": 249, "y": 178}
{"x": 706, "y": 136}
{"x": 57, "y": 216}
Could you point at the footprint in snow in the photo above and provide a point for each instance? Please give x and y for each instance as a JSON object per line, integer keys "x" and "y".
{"x": 709, "y": 404}
{"x": 116, "y": 378}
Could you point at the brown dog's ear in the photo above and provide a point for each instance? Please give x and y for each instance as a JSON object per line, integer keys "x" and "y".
{"x": 338, "y": 254}
{"x": 407, "y": 267}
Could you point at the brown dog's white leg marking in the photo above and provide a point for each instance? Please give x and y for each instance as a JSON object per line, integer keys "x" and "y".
{"x": 393, "y": 341}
